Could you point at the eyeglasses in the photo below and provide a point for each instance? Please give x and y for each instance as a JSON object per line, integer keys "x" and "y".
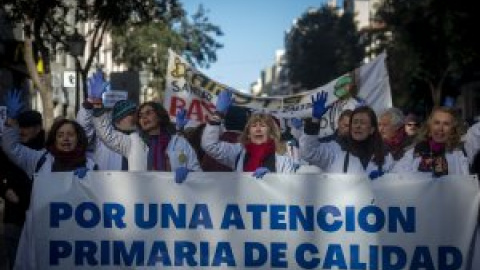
{"x": 411, "y": 124}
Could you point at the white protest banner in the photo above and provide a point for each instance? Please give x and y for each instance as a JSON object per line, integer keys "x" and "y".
{"x": 188, "y": 88}
{"x": 119, "y": 220}
{"x": 3, "y": 117}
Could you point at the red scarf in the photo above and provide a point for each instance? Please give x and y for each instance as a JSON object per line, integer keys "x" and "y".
{"x": 396, "y": 144}
{"x": 397, "y": 140}
{"x": 257, "y": 153}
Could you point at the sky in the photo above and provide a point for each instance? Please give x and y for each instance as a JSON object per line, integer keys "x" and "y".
{"x": 253, "y": 31}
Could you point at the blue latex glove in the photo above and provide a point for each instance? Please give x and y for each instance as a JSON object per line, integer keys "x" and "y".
{"x": 80, "y": 172}
{"x": 14, "y": 103}
{"x": 260, "y": 172}
{"x": 181, "y": 174}
{"x": 181, "y": 119}
{"x": 296, "y": 123}
{"x": 224, "y": 100}
{"x": 319, "y": 105}
{"x": 375, "y": 174}
{"x": 97, "y": 85}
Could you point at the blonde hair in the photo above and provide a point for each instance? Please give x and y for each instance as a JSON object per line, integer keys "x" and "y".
{"x": 454, "y": 139}
{"x": 273, "y": 130}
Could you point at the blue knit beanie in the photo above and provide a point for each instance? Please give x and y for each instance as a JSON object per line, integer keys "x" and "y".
{"x": 123, "y": 108}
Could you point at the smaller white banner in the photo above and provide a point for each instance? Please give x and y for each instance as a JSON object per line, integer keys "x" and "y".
{"x": 188, "y": 88}
{"x": 111, "y": 97}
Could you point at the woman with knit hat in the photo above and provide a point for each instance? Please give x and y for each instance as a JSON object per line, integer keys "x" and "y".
{"x": 155, "y": 146}
{"x": 260, "y": 149}
{"x": 123, "y": 117}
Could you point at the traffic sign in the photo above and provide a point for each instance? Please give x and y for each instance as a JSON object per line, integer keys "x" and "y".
{"x": 69, "y": 78}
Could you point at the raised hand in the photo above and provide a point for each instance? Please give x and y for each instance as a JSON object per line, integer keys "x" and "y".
{"x": 80, "y": 172}
{"x": 297, "y": 123}
{"x": 260, "y": 172}
{"x": 97, "y": 85}
{"x": 181, "y": 174}
{"x": 14, "y": 103}
{"x": 224, "y": 100}
{"x": 181, "y": 119}
{"x": 319, "y": 105}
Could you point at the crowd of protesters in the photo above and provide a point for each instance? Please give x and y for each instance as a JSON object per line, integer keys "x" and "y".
{"x": 128, "y": 137}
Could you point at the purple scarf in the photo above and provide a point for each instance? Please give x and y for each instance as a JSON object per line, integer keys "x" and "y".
{"x": 157, "y": 152}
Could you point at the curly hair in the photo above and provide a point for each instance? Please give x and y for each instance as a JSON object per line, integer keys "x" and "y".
{"x": 162, "y": 115}
{"x": 454, "y": 138}
{"x": 82, "y": 140}
{"x": 273, "y": 130}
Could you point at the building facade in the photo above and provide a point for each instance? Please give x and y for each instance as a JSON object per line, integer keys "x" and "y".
{"x": 274, "y": 79}
{"x": 14, "y": 73}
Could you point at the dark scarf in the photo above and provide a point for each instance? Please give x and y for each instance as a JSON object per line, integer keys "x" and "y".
{"x": 396, "y": 144}
{"x": 67, "y": 161}
{"x": 432, "y": 157}
{"x": 257, "y": 153}
{"x": 157, "y": 152}
{"x": 363, "y": 150}
{"x": 341, "y": 140}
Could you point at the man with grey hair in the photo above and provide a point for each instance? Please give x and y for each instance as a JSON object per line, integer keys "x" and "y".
{"x": 391, "y": 127}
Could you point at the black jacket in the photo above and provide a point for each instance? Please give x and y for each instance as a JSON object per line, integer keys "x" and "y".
{"x": 14, "y": 178}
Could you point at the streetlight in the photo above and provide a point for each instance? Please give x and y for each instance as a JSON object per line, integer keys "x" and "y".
{"x": 76, "y": 46}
